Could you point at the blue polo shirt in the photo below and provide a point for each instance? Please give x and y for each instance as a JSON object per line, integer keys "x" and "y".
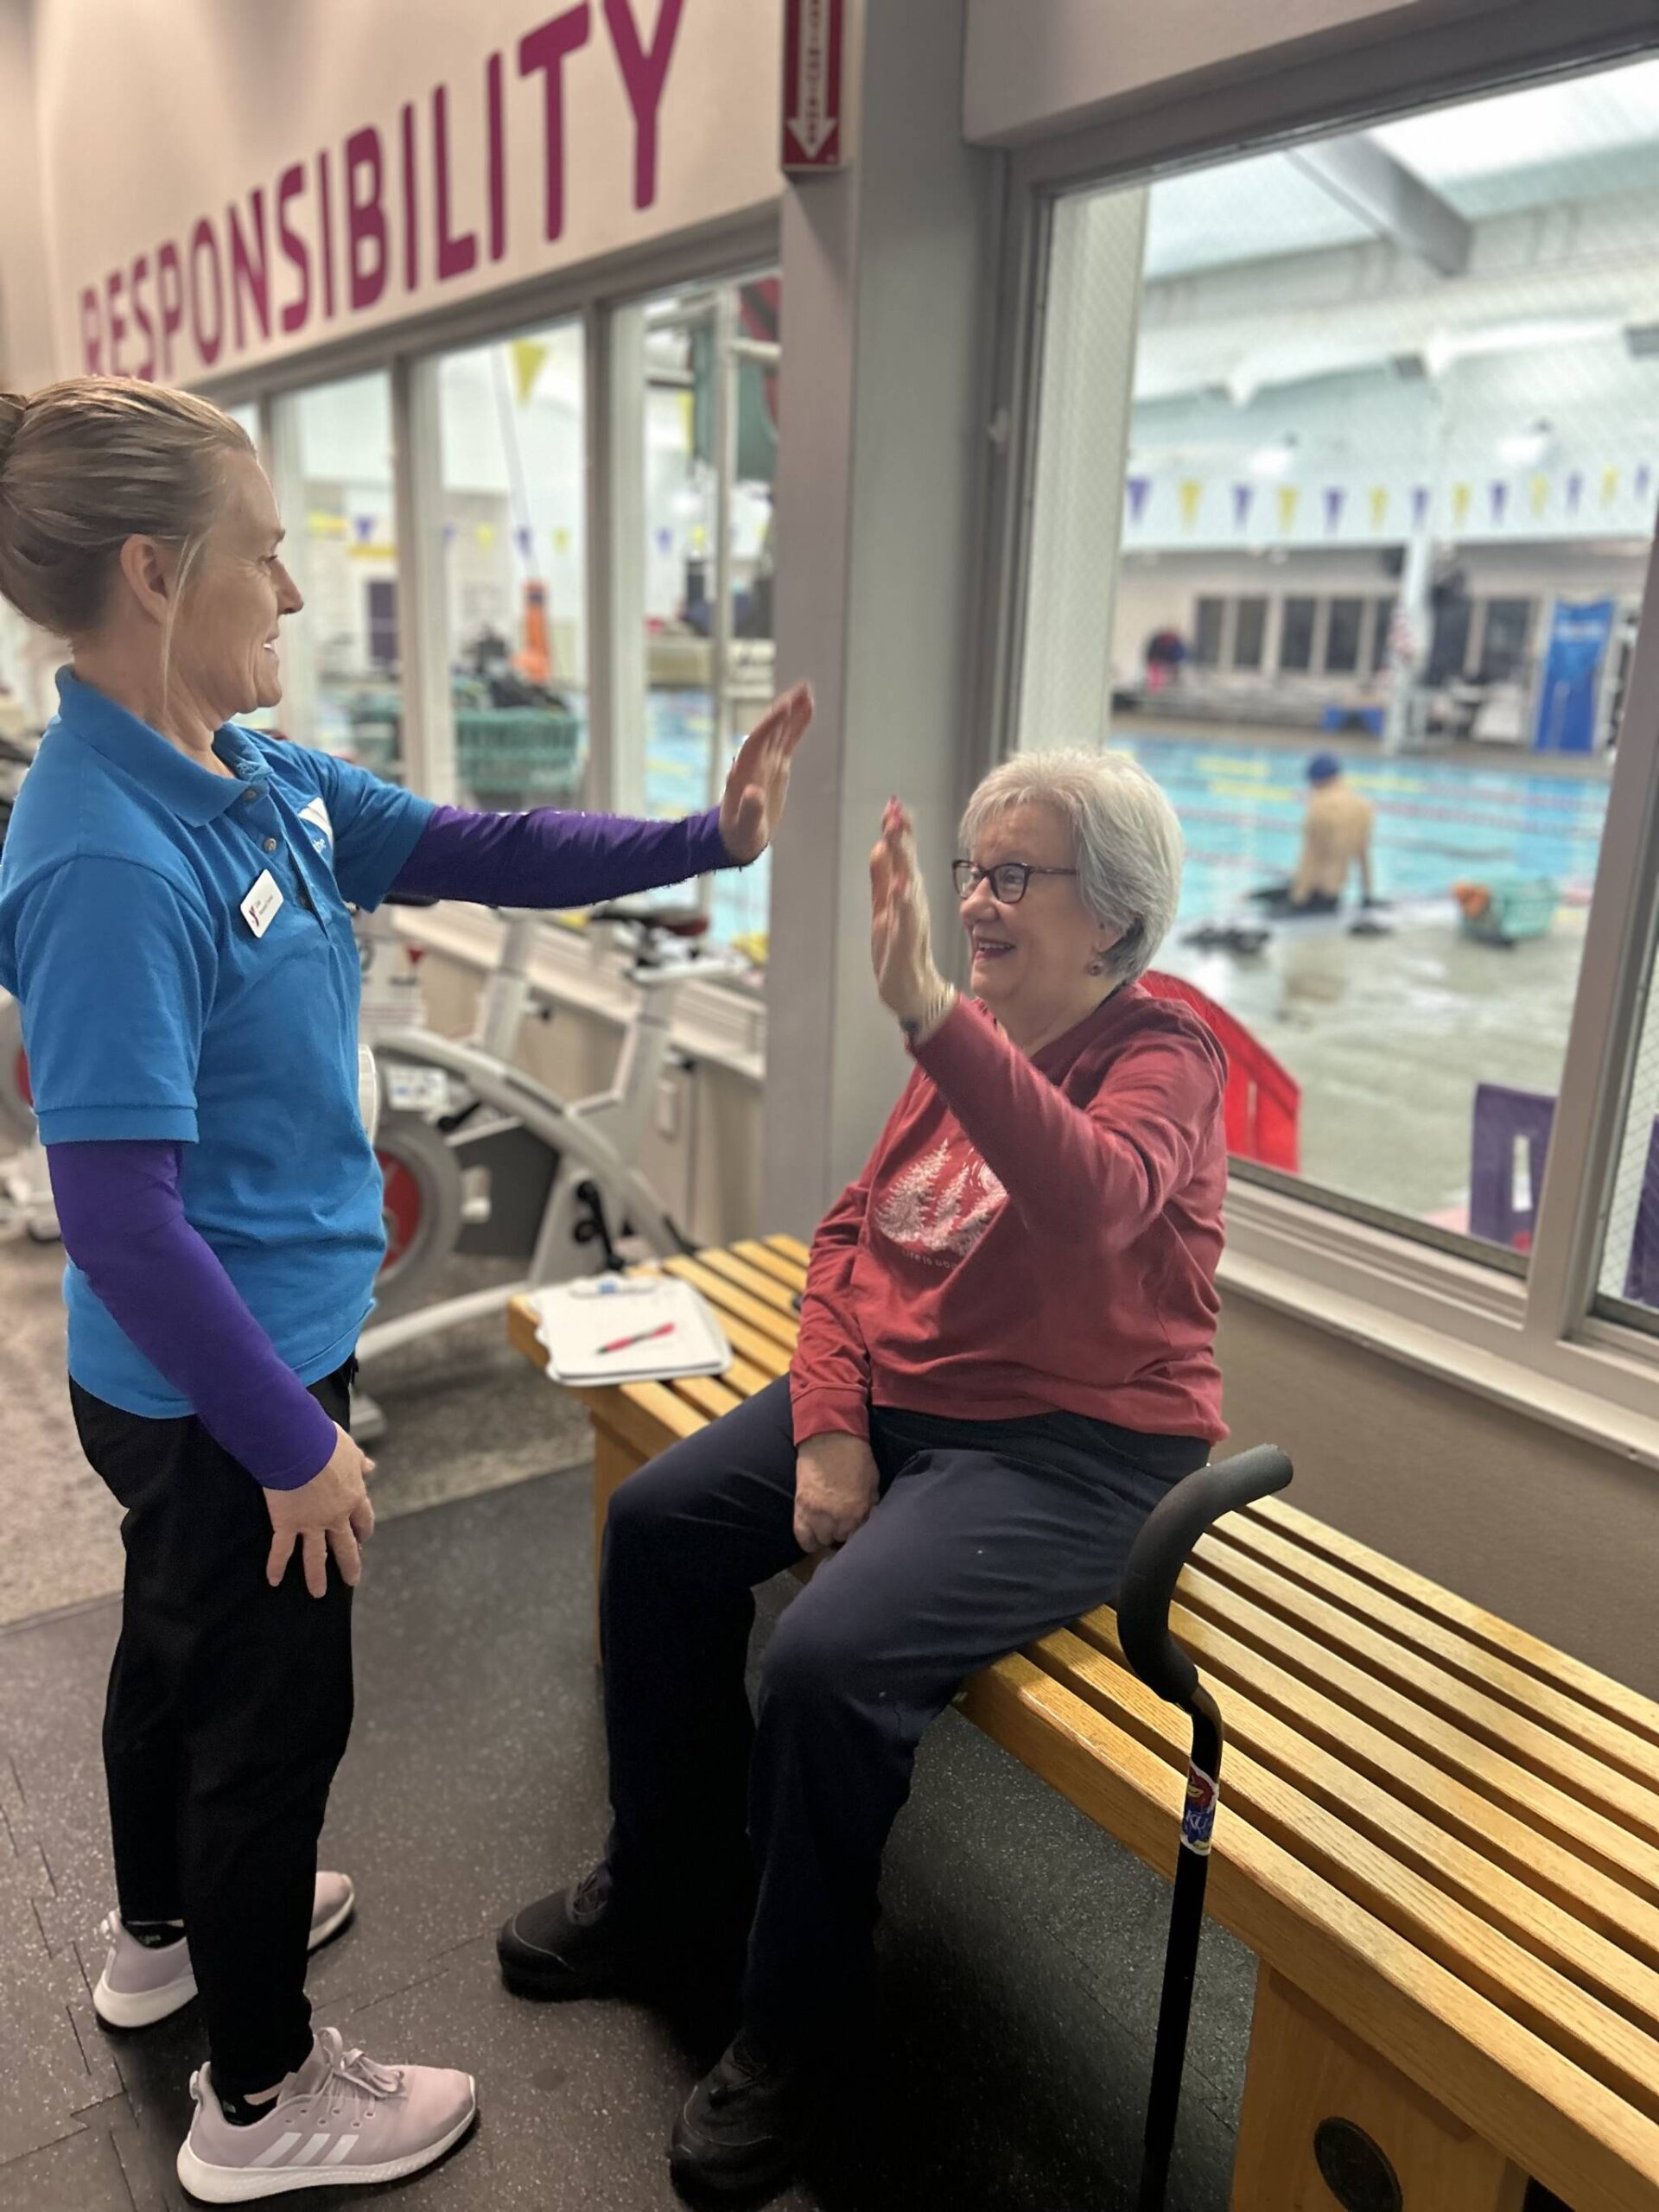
{"x": 152, "y": 1006}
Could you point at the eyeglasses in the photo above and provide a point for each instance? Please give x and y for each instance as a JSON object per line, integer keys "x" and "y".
{"x": 1008, "y": 879}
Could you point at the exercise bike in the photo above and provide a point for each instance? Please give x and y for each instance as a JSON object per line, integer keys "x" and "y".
{"x": 482, "y": 1159}
{"x": 26, "y": 1204}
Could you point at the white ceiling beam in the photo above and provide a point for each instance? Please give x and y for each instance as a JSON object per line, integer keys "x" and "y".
{"x": 1368, "y": 182}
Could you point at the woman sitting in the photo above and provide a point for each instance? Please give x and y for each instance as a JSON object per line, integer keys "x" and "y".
{"x": 1006, "y": 1358}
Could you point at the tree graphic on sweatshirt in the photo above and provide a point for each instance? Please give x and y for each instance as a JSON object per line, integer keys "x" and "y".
{"x": 937, "y": 1215}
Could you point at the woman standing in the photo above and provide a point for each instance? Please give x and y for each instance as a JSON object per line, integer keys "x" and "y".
{"x": 174, "y": 921}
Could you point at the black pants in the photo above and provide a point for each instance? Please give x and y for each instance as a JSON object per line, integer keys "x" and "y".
{"x": 987, "y": 1533}
{"x": 228, "y": 1710}
{"x": 1277, "y": 899}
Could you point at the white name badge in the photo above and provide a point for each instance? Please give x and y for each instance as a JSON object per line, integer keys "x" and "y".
{"x": 263, "y": 903}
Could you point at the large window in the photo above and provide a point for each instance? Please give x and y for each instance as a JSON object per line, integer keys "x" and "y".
{"x": 1404, "y": 385}
{"x": 1249, "y": 633}
{"x": 345, "y": 652}
{"x": 489, "y": 642}
{"x": 1296, "y": 634}
{"x": 511, "y": 418}
{"x": 1505, "y": 641}
{"x": 1341, "y": 637}
{"x": 696, "y": 415}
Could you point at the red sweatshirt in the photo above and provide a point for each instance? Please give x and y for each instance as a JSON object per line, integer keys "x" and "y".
{"x": 1031, "y": 1235}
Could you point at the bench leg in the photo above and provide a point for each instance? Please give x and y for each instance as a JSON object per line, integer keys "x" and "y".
{"x": 614, "y": 1462}
{"x": 1321, "y": 2111}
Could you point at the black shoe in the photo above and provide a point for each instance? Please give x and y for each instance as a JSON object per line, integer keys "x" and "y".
{"x": 747, "y": 2123}
{"x": 572, "y": 1944}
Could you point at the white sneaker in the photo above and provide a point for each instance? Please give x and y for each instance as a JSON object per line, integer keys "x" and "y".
{"x": 338, "y": 2120}
{"x": 139, "y": 1986}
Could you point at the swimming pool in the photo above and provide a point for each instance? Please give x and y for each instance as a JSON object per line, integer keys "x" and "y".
{"x": 1241, "y": 807}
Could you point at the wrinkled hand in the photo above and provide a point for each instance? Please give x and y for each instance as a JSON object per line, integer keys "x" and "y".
{"x": 759, "y": 782}
{"x": 835, "y": 1486}
{"x": 901, "y": 935}
{"x": 331, "y": 1512}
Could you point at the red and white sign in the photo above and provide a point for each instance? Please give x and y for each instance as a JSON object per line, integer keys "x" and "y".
{"x": 812, "y": 132}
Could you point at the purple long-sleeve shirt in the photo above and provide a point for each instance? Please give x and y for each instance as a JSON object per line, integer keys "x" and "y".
{"x": 553, "y": 859}
{"x": 120, "y": 1207}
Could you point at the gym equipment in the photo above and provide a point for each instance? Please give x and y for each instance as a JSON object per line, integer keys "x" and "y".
{"x": 26, "y": 1204}
{"x": 480, "y": 1158}
{"x": 1160, "y": 1553}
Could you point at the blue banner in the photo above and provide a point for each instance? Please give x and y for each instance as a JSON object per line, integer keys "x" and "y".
{"x": 1579, "y": 635}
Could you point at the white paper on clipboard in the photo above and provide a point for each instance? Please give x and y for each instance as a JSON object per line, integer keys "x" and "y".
{"x": 659, "y": 1326}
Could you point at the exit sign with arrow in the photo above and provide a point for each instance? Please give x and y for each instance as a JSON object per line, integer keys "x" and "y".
{"x": 812, "y": 132}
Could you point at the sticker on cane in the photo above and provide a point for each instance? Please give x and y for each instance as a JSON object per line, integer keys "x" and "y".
{"x": 1199, "y": 1818}
{"x": 263, "y": 903}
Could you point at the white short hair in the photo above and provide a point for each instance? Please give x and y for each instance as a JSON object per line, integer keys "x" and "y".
{"x": 1127, "y": 841}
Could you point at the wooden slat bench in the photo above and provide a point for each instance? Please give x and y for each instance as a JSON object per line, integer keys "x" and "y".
{"x": 1439, "y": 1836}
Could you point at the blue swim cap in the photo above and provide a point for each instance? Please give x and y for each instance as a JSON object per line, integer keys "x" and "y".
{"x": 1324, "y": 768}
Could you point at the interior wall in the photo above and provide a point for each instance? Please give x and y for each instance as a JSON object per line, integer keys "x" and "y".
{"x": 879, "y": 470}
{"x": 1164, "y": 588}
{"x": 27, "y": 357}
{"x": 611, "y": 128}
{"x": 1555, "y": 1536}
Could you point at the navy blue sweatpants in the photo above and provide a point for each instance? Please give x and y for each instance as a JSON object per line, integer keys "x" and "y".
{"x": 986, "y": 1535}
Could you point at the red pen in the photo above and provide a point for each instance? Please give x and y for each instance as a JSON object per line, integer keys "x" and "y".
{"x": 645, "y": 1337}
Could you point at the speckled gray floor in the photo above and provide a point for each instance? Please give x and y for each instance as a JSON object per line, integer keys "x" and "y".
{"x": 1022, "y": 1949}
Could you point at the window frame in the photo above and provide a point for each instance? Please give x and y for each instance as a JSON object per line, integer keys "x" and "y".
{"x": 1240, "y": 600}
{"x": 1315, "y": 640}
{"x": 1222, "y": 656}
{"x": 1529, "y": 600}
{"x": 410, "y": 353}
{"x": 1354, "y": 599}
{"x": 1535, "y": 1341}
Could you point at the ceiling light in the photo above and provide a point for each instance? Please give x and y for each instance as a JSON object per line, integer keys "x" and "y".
{"x": 1528, "y": 448}
{"x": 1273, "y": 460}
{"x": 1447, "y": 347}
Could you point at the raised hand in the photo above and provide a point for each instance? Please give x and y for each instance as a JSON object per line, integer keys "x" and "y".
{"x": 902, "y": 935}
{"x": 759, "y": 783}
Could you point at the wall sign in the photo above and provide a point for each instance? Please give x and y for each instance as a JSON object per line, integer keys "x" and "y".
{"x": 263, "y": 179}
{"x": 812, "y": 84}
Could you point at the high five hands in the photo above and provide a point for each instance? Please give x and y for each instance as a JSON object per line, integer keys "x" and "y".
{"x": 759, "y": 782}
{"x": 902, "y": 935}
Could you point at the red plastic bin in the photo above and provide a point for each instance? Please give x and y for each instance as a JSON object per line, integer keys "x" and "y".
{"x": 1263, "y": 1102}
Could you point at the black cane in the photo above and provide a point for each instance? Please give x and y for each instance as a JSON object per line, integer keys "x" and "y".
{"x": 1161, "y": 1551}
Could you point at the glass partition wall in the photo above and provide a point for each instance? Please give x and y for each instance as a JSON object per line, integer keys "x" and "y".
{"x": 1350, "y": 449}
